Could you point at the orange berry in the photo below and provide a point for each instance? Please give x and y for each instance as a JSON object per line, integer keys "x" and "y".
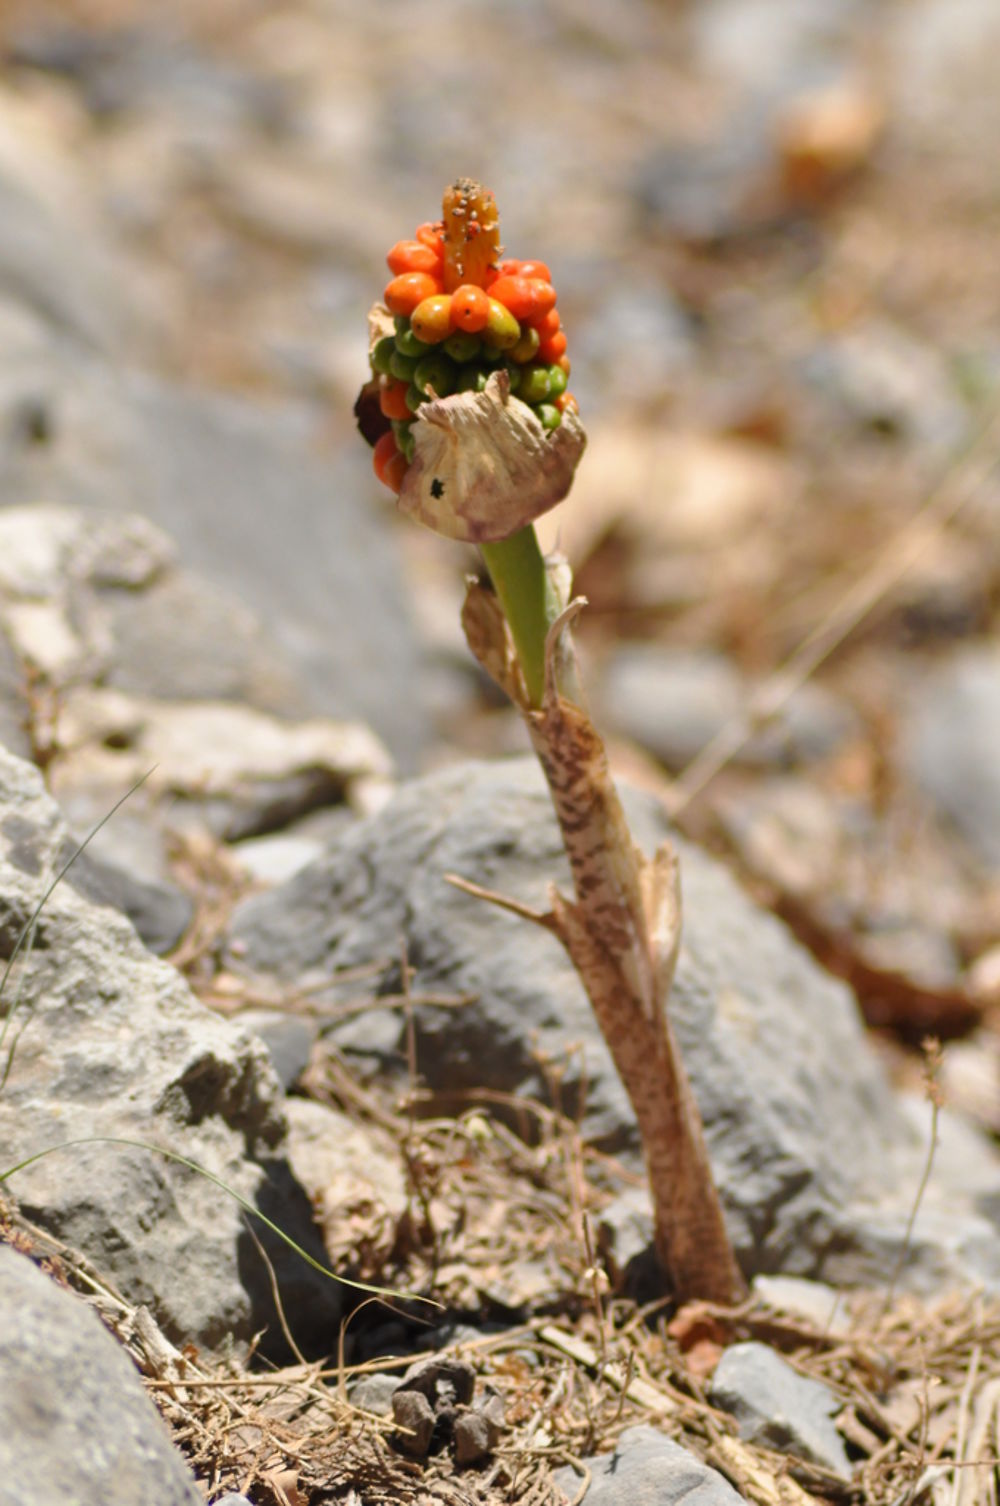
{"x": 412, "y": 256}
{"x": 431, "y": 319}
{"x": 385, "y": 449}
{"x": 548, "y": 325}
{"x": 552, "y": 347}
{"x": 535, "y": 269}
{"x": 509, "y": 267}
{"x": 563, "y": 361}
{"x": 567, "y": 403}
{"x": 432, "y": 235}
{"x": 408, "y": 289}
{"x": 528, "y": 298}
{"x": 470, "y": 309}
{"x": 395, "y": 472}
{"x": 392, "y": 398}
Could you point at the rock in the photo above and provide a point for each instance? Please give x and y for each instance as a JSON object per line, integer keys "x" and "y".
{"x": 413, "y": 1412}
{"x": 200, "y": 773}
{"x": 53, "y": 260}
{"x": 647, "y": 1469}
{"x": 98, "y": 619}
{"x": 160, "y": 913}
{"x": 477, "y": 1431}
{"x": 813, "y": 1301}
{"x": 674, "y": 701}
{"x": 76, "y": 1425}
{"x": 948, "y": 742}
{"x": 354, "y": 1178}
{"x": 109, "y": 1043}
{"x": 792, "y": 1094}
{"x": 438, "y": 1393}
{"x": 238, "y": 772}
{"x": 374, "y": 1393}
{"x": 880, "y": 379}
{"x": 779, "y": 1408}
{"x": 253, "y": 512}
{"x": 288, "y": 1037}
{"x": 445, "y": 1382}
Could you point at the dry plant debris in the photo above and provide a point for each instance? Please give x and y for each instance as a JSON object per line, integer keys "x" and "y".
{"x": 919, "y": 1382}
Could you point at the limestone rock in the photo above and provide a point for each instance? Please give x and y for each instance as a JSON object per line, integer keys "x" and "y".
{"x": 104, "y": 1042}
{"x": 76, "y": 1425}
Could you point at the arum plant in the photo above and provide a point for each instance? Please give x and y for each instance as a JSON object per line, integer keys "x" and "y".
{"x": 473, "y": 428}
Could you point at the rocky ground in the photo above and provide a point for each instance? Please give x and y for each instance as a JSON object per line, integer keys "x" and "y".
{"x": 773, "y": 229}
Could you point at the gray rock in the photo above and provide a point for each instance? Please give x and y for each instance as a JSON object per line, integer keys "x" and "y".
{"x": 413, "y": 1412}
{"x": 477, "y": 1431}
{"x": 445, "y": 1382}
{"x": 339, "y": 1161}
{"x": 288, "y": 1037}
{"x": 647, "y": 1469}
{"x": 51, "y": 260}
{"x": 791, "y": 1093}
{"x": 814, "y": 1301}
{"x": 76, "y": 1425}
{"x": 161, "y": 914}
{"x": 779, "y": 1408}
{"x": 89, "y": 602}
{"x": 374, "y": 1393}
{"x": 881, "y": 379}
{"x": 105, "y": 1042}
{"x": 949, "y": 740}
{"x": 253, "y": 511}
{"x": 674, "y": 702}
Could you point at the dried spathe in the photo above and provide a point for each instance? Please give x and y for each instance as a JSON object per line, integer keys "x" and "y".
{"x": 483, "y": 466}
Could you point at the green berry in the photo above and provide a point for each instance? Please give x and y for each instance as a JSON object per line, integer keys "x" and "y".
{"x": 403, "y": 432}
{"x": 382, "y": 352}
{"x": 408, "y": 345}
{"x": 402, "y": 367}
{"x": 492, "y": 355}
{"x": 462, "y": 347}
{"x": 526, "y": 347}
{"x": 557, "y": 381}
{"x": 514, "y": 373}
{"x": 534, "y": 386}
{"x": 435, "y": 371}
{"x": 471, "y": 378}
{"x": 414, "y": 397}
{"x": 548, "y": 417}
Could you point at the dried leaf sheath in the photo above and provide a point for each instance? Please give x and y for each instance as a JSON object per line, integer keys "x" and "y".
{"x": 622, "y": 933}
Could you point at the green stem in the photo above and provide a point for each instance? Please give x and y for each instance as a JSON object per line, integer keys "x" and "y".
{"x": 529, "y": 601}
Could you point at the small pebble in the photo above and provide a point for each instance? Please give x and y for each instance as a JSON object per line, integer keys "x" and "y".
{"x": 412, "y": 1411}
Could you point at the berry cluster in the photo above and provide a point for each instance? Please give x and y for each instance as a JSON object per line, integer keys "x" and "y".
{"x": 461, "y": 314}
